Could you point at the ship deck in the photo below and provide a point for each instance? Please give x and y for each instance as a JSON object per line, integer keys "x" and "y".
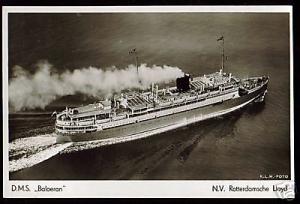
{"x": 137, "y": 103}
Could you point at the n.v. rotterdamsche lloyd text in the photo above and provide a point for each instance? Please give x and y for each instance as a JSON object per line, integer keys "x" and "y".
{"x": 247, "y": 188}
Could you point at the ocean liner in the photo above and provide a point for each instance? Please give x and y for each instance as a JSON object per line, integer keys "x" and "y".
{"x": 193, "y": 99}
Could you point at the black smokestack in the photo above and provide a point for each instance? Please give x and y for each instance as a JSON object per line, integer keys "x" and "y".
{"x": 183, "y": 83}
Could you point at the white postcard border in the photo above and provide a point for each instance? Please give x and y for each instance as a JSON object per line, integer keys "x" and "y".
{"x": 149, "y": 188}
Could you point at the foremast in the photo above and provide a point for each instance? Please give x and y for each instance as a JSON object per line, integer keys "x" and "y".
{"x": 223, "y": 52}
{"x": 134, "y": 53}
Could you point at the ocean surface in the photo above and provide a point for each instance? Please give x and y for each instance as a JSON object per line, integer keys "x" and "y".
{"x": 247, "y": 144}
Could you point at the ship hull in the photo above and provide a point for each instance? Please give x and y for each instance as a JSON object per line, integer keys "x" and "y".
{"x": 169, "y": 122}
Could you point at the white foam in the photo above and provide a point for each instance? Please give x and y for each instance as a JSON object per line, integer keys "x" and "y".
{"x": 33, "y": 150}
{"x": 41, "y": 140}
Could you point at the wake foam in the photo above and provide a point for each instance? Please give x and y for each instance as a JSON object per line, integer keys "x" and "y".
{"x": 27, "y": 152}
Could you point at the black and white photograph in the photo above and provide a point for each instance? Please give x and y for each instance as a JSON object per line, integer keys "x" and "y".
{"x": 137, "y": 95}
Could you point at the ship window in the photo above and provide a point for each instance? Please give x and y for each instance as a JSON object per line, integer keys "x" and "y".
{"x": 102, "y": 116}
{"x": 229, "y": 87}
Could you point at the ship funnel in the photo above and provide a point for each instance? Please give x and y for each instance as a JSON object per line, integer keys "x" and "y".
{"x": 183, "y": 83}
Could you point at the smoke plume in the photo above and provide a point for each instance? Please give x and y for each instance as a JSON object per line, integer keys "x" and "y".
{"x": 30, "y": 91}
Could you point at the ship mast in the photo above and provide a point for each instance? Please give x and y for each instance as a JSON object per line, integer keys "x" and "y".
{"x": 134, "y": 53}
{"x": 223, "y": 51}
